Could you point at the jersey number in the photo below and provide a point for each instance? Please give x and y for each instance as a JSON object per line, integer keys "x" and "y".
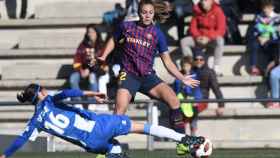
{"x": 122, "y": 76}
{"x": 60, "y": 122}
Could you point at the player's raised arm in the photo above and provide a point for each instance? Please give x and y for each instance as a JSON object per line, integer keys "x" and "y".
{"x": 171, "y": 67}
{"x": 109, "y": 47}
{"x": 99, "y": 97}
{"x": 69, "y": 93}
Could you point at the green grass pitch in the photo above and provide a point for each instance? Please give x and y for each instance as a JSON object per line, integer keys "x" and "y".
{"x": 227, "y": 153}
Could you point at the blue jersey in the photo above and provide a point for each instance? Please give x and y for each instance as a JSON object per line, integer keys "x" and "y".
{"x": 87, "y": 129}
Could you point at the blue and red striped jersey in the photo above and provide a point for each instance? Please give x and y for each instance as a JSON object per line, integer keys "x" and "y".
{"x": 140, "y": 44}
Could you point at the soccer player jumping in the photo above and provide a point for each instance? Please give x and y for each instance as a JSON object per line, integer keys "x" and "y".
{"x": 141, "y": 41}
{"x": 91, "y": 131}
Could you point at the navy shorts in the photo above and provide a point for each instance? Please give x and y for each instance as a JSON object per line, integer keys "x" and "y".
{"x": 135, "y": 83}
{"x": 107, "y": 127}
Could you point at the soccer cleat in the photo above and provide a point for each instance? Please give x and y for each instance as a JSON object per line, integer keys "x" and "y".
{"x": 188, "y": 145}
{"x": 192, "y": 141}
{"x": 182, "y": 149}
{"x": 197, "y": 147}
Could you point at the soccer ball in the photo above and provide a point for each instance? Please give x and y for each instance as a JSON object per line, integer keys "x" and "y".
{"x": 204, "y": 150}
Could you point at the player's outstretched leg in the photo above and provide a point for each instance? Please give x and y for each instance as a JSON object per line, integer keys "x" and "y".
{"x": 187, "y": 144}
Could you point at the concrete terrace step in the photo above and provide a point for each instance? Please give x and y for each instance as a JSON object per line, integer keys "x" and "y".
{"x": 36, "y": 71}
{"x": 239, "y": 80}
{"x": 69, "y": 52}
{"x": 67, "y": 22}
{"x": 48, "y": 23}
{"x": 56, "y": 67}
{"x": 14, "y": 36}
{"x": 71, "y": 38}
{"x": 231, "y": 87}
{"x": 226, "y": 81}
{"x": 55, "y": 60}
{"x": 24, "y": 115}
{"x": 45, "y": 37}
{"x": 20, "y": 84}
{"x": 246, "y": 18}
{"x": 228, "y": 49}
{"x": 51, "y": 40}
{"x": 36, "y": 53}
{"x": 74, "y": 9}
{"x": 89, "y": 9}
{"x": 231, "y": 65}
{"x": 234, "y": 137}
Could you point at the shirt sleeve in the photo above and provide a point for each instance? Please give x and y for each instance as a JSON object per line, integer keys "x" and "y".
{"x": 162, "y": 45}
{"x": 68, "y": 93}
{"x": 30, "y": 133}
{"x": 84, "y": 113}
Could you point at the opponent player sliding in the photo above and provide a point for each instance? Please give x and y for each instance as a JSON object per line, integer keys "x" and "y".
{"x": 89, "y": 130}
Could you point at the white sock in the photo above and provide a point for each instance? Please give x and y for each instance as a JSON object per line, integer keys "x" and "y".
{"x": 164, "y": 132}
{"x": 116, "y": 149}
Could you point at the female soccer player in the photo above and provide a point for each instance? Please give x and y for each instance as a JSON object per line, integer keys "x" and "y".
{"x": 86, "y": 129}
{"x": 141, "y": 41}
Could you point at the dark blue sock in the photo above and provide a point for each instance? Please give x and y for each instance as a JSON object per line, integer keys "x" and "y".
{"x": 177, "y": 120}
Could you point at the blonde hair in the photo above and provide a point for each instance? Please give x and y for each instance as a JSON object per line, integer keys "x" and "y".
{"x": 161, "y": 9}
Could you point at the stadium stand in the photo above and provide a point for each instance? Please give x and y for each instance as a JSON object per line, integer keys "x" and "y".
{"x": 40, "y": 49}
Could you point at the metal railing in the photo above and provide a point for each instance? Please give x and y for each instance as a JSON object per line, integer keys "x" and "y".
{"x": 152, "y": 111}
{"x": 147, "y": 101}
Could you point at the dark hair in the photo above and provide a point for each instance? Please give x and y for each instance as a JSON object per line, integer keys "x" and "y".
{"x": 265, "y": 3}
{"x": 30, "y": 94}
{"x": 86, "y": 41}
{"x": 186, "y": 60}
{"x": 161, "y": 11}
